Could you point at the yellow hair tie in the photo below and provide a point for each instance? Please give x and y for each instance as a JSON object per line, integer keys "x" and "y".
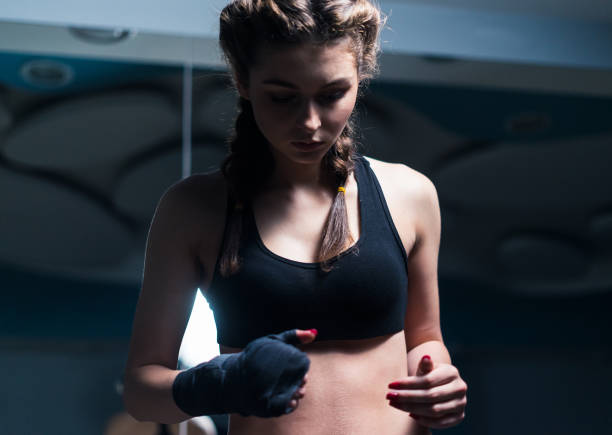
{"x": 341, "y": 189}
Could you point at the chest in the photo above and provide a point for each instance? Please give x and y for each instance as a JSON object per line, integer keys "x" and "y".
{"x": 364, "y": 294}
{"x": 294, "y": 229}
{"x": 280, "y": 287}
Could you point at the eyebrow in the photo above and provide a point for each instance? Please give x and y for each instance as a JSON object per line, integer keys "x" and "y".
{"x": 279, "y": 82}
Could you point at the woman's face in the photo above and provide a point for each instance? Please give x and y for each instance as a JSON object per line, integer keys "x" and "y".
{"x": 303, "y": 93}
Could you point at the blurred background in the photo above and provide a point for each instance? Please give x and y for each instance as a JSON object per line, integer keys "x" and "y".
{"x": 506, "y": 106}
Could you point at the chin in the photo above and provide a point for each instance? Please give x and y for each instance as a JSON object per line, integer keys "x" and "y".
{"x": 300, "y": 156}
{"x": 308, "y": 157}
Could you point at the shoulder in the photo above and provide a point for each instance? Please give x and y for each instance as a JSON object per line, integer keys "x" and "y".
{"x": 189, "y": 222}
{"x": 405, "y": 182}
{"x": 195, "y": 188}
{"x": 198, "y": 193}
{"x": 412, "y": 200}
{"x": 192, "y": 204}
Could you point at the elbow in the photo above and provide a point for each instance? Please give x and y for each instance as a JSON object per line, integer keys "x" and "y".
{"x": 130, "y": 403}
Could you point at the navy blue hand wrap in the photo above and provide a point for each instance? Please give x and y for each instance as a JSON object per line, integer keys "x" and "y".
{"x": 258, "y": 381}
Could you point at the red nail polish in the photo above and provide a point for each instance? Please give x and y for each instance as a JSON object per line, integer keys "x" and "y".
{"x": 427, "y": 357}
{"x": 392, "y": 395}
{"x": 314, "y": 331}
{"x": 395, "y": 385}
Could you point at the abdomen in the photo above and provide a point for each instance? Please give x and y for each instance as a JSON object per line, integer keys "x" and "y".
{"x": 345, "y": 392}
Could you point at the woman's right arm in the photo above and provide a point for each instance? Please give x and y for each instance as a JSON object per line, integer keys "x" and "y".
{"x": 176, "y": 249}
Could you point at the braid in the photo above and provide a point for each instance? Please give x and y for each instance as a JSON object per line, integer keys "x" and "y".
{"x": 336, "y": 234}
{"x": 245, "y": 169}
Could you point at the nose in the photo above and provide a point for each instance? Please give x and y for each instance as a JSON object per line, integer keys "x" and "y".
{"x": 309, "y": 117}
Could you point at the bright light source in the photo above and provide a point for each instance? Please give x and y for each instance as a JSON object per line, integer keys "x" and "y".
{"x": 200, "y": 339}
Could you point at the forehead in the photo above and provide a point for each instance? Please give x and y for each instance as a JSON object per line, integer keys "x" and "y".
{"x": 305, "y": 64}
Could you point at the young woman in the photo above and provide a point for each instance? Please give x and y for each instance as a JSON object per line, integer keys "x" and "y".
{"x": 298, "y": 231}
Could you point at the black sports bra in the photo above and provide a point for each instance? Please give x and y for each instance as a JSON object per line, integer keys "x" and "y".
{"x": 363, "y": 296}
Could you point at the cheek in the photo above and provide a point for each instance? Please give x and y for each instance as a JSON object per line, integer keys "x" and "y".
{"x": 341, "y": 113}
{"x": 267, "y": 119}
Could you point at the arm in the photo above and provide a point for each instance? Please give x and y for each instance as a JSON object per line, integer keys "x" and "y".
{"x": 264, "y": 379}
{"x": 433, "y": 392}
{"x": 422, "y": 322}
{"x": 172, "y": 275}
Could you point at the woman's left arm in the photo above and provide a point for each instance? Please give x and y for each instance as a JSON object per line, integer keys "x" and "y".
{"x": 433, "y": 392}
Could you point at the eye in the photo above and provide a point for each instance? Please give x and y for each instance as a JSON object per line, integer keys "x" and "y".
{"x": 281, "y": 98}
{"x": 333, "y": 97}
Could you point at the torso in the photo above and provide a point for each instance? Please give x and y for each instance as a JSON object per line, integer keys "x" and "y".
{"x": 347, "y": 380}
{"x": 345, "y": 392}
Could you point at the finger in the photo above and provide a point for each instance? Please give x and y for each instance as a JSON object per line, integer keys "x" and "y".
{"x": 425, "y": 366}
{"x": 444, "y": 422}
{"x": 442, "y": 393}
{"x": 306, "y": 336}
{"x": 441, "y": 375}
{"x": 406, "y": 407}
{"x": 435, "y": 410}
{"x": 299, "y": 393}
{"x": 295, "y": 336}
{"x": 289, "y": 337}
{"x": 438, "y": 421}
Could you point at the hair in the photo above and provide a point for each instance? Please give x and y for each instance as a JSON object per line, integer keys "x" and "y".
{"x": 244, "y": 25}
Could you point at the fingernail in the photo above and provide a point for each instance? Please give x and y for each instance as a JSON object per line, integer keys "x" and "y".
{"x": 314, "y": 331}
{"x": 392, "y": 395}
{"x": 427, "y": 357}
{"x": 395, "y": 385}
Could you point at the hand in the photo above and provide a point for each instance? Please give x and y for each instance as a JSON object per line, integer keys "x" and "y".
{"x": 435, "y": 397}
{"x": 305, "y": 336}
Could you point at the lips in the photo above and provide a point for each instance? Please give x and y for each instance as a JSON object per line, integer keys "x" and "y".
{"x": 308, "y": 142}
{"x": 307, "y": 145}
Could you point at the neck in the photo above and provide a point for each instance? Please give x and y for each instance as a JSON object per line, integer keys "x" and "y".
{"x": 292, "y": 175}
